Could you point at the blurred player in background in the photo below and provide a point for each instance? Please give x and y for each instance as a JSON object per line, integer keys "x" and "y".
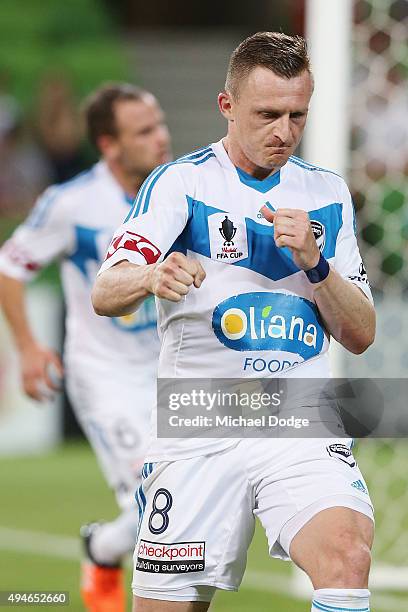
{"x": 244, "y": 241}
{"x": 109, "y": 364}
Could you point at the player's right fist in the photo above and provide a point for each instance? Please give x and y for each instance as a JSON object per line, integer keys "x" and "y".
{"x": 173, "y": 278}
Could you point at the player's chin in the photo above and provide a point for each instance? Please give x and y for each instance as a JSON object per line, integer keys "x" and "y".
{"x": 163, "y": 158}
{"x": 277, "y": 159}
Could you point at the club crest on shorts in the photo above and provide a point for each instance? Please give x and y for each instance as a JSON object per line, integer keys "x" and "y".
{"x": 342, "y": 452}
{"x": 319, "y": 232}
{"x": 228, "y": 238}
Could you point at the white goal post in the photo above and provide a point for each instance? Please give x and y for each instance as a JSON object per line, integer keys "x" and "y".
{"x": 329, "y": 29}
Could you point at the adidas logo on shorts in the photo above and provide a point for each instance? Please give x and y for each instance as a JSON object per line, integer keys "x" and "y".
{"x": 358, "y": 484}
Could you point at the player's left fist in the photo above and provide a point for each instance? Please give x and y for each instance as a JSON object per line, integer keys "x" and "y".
{"x": 293, "y": 229}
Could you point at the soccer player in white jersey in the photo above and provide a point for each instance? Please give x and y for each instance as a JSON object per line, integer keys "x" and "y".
{"x": 73, "y": 223}
{"x": 253, "y": 259}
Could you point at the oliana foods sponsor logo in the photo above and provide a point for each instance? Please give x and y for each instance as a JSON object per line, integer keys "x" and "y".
{"x": 265, "y": 321}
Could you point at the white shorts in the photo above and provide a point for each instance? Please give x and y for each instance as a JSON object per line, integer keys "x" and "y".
{"x": 197, "y": 516}
{"x": 114, "y": 412}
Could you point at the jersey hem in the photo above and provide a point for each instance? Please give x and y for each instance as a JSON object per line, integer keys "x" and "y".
{"x": 190, "y": 454}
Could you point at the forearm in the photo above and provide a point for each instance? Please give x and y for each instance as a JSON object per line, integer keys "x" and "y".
{"x": 347, "y": 313}
{"x": 35, "y": 359}
{"x": 121, "y": 289}
{"x": 13, "y": 304}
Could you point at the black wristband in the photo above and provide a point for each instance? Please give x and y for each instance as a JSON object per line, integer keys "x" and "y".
{"x": 319, "y": 272}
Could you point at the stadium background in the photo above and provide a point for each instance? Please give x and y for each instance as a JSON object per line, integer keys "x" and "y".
{"x": 52, "y": 54}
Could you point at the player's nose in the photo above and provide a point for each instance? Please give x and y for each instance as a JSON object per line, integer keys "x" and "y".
{"x": 282, "y": 129}
{"x": 163, "y": 136}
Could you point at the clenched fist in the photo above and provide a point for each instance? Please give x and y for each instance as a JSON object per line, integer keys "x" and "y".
{"x": 173, "y": 278}
{"x": 293, "y": 230}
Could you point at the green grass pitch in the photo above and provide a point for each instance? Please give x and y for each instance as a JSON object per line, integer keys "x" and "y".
{"x": 54, "y": 494}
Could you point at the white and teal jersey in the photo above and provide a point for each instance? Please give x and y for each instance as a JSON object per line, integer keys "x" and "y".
{"x": 73, "y": 223}
{"x": 254, "y": 314}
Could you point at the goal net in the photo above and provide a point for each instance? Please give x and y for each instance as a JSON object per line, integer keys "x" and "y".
{"x": 376, "y": 168}
{"x": 378, "y": 178}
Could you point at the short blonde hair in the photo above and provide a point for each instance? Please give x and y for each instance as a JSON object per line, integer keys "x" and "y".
{"x": 285, "y": 55}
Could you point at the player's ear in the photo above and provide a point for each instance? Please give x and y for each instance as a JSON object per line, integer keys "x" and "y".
{"x": 107, "y": 145}
{"x": 225, "y": 105}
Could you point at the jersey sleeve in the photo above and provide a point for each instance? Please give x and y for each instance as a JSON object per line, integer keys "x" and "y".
{"x": 44, "y": 236}
{"x": 158, "y": 217}
{"x": 348, "y": 261}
